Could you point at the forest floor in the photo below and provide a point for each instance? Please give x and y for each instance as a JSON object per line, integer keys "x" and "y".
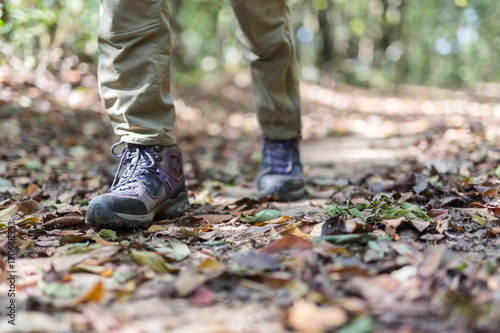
{"x": 399, "y": 231}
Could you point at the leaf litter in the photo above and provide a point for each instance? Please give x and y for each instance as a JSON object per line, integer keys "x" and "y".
{"x": 410, "y": 246}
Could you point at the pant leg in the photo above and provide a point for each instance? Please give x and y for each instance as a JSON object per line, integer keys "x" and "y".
{"x": 134, "y": 69}
{"x": 265, "y": 34}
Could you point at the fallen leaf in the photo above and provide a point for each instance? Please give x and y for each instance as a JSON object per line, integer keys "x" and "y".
{"x": 70, "y": 238}
{"x": 287, "y": 243}
{"x": 67, "y": 221}
{"x": 31, "y": 191}
{"x": 296, "y": 232}
{"x": 438, "y": 214}
{"x": 357, "y": 226}
{"x": 190, "y": 233}
{"x": 392, "y": 224}
{"x": 101, "y": 241}
{"x": 186, "y": 283}
{"x": 32, "y": 220}
{"x": 28, "y": 207}
{"x": 153, "y": 260}
{"x": 273, "y": 234}
{"x": 156, "y": 227}
{"x": 202, "y": 198}
{"x": 420, "y": 225}
{"x": 6, "y": 214}
{"x": 54, "y": 276}
{"x": 263, "y": 216}
{"x": 48, "y": 243}
{"x": 24, "y": 244}
{"x": 107, "y": 234}
{"x": 260, "y": 261}
{"x": 480, "y": 216}
{"x": 202, "y": 296}
{"x": 347, "y": 238}
{"x": 307, "y": 317}
{"x": 215, "y": 218}
{"x": 94, "y": 294}
{"x": 88, "y": 268}
{"x": 492, "y": 192}
{"x": 176, "y": 250}
{"x": 189, "y": 222}
{"x": 334, "y": 226}
{"x": 442, "y": 225}
{"x": 432, "y": 261}
{"x": 210, "y": 265}
{"x": 58, "y": 289}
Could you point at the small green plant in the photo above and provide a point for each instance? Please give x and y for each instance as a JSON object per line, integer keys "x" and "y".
{"x": 383, "y": 208}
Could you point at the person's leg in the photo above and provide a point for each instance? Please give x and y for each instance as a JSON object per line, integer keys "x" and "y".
{"x": 134, "y": 82}
{"x": 265, "y": 34}
{"x": 134, "y": 69}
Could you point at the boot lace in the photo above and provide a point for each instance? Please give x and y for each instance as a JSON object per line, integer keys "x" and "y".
{"x": 135, "y": 160}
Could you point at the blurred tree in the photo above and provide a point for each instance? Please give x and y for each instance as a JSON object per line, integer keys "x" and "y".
{"x": 372, "y": 43}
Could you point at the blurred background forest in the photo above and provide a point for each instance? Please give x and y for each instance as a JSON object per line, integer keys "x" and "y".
{"x": 381, "y": 44}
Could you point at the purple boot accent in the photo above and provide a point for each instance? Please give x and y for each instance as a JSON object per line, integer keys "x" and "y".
{"x": 151, "y": 186}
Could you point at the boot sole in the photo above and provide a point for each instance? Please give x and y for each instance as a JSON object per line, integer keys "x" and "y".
{"x": 278, "y": 193}
{"x": 166, "y": 209}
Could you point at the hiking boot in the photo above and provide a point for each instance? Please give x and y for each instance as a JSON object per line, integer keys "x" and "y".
{"x": 151, "y": 185}
{"x": 281, "y": 173}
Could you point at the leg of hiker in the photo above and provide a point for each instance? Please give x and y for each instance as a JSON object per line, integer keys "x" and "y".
{"x": 266, "y": 38}
{"x": 134, "y": 83}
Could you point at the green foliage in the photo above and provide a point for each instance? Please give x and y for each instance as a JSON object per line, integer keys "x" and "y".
{"x": 384, "y": 208}
{"x": 373, "y": 43}
{"x": 32, "y": 28}
{"x": 107, "y": 234}
{"x": 263, "y": 216}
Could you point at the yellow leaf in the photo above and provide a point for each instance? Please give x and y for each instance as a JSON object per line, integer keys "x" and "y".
{"x": 95, "y": 294}
{"x": 156, "y": 227}
{"x": 108, "y": 272}
{"x": 210, "y": 265}
{"x": 273, "y": 235}
{"x": 153, "y": 260}
{"x": 478, "y": 219}
{"x": 296, "y": 232}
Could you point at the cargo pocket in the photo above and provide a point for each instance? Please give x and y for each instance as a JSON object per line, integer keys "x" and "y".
{"x": 121, "y": 19}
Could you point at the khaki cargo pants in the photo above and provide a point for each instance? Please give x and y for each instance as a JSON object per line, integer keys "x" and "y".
{"x": 135, "y": 53}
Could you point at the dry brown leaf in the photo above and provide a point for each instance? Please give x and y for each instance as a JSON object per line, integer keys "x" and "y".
{"x": 307, "y": 317}
{"x": 65, "y": 221}
{"x": 28, "y": 207}
{"x": 296, "y": 232}
{"x": 432, "y": 261}
{"x": 420, "y": 225}
{"x": 31, "y": 190}
{"x": 101, "y": 241}
{"x": 94, "y": 294}
{"x": 392, "y": 224}
{"x": 215, "y": 218}
{"x": 24, "y": 244}
{"x": 442, "y": 225}
{"x": 286, "y": 243}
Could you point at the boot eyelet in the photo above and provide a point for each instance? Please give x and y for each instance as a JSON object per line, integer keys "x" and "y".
{"x": 158, "y": 158}
{"x": 158, "y": 148}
